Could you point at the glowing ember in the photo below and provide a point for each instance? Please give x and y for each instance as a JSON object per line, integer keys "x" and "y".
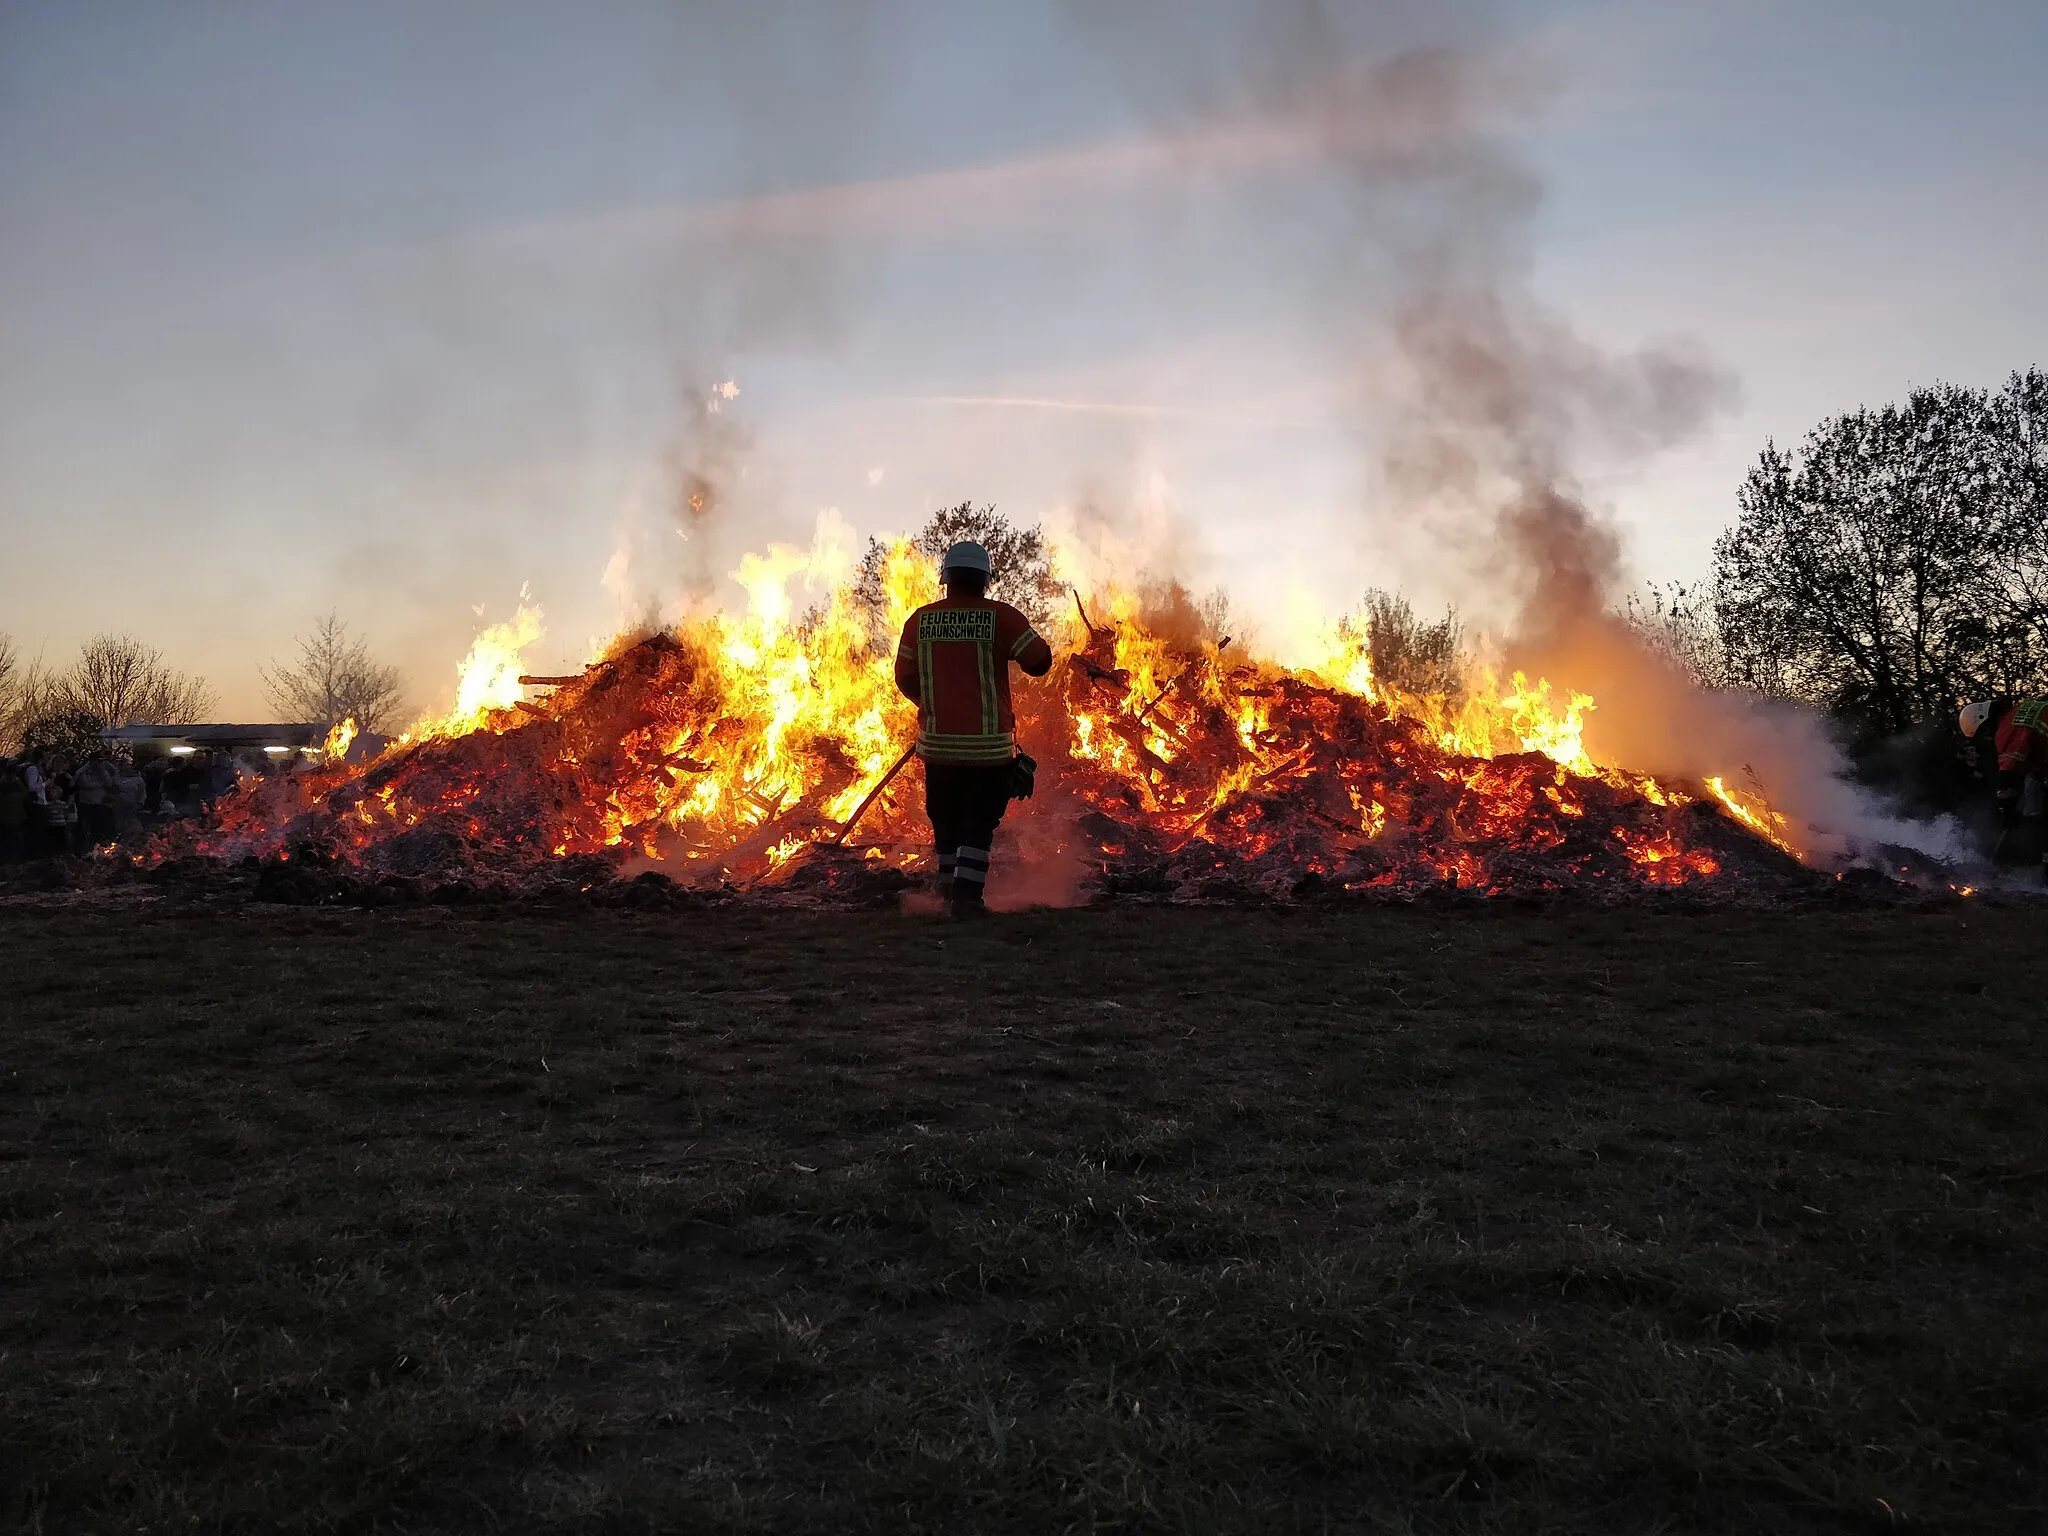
{"x": 1663, "y": 862}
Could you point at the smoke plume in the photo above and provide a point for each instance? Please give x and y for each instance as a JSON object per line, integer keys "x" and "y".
{"x": 662, "y": 558}
{"x": 1479, "y": 403}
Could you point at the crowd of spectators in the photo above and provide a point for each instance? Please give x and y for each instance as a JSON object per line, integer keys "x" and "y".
{"x": 53, "y": 804}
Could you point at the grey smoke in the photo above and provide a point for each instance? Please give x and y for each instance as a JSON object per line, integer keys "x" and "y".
{"x": 1411, "y": 243}
{"x": 1480, "y": 402}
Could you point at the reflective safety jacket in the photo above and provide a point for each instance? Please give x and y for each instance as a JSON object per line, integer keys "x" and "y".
{"x": 2023, "y": 739}
{"x": 954, "y": 659}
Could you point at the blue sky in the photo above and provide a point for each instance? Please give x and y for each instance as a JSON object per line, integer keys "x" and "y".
{"x": 394, "y": 307}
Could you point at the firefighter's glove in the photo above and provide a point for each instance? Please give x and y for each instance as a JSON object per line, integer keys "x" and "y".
{"x": 2009, "y": 809}
{"x": 1023, "y": 776}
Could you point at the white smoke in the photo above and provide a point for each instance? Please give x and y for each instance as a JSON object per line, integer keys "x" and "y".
{"x": 1494, "y": 400}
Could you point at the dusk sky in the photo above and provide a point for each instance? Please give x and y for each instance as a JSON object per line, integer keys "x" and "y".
{"x": 392, "y": 308}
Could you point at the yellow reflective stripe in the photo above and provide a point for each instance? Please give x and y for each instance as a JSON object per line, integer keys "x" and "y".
{"x": 927, "y": 702}
{"x": 968, "y": 749}
{"x": 1023, "y": 643}
{"x": 991, "y": 717}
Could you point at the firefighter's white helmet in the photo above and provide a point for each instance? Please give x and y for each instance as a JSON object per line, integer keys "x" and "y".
{"x": 1973, "y": 716}
{"x": 965, "y": 556}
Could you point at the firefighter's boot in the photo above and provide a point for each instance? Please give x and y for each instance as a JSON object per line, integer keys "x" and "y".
{"x": 970, "y": 883}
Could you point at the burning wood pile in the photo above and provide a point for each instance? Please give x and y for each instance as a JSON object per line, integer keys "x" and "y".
{"x": 734, "y": 754}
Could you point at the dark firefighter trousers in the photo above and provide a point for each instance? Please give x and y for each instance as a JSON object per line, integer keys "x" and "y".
{"x": 965, "y": 802}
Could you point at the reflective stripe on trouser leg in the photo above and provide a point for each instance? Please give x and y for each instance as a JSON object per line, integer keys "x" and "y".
{"x": 970, "y": 874}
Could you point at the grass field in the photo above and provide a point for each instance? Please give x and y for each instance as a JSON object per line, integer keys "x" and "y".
{"x": 1174, "y": 1220}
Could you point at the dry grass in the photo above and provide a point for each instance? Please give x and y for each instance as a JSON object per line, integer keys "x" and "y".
{"x": 1175, "y": 1220}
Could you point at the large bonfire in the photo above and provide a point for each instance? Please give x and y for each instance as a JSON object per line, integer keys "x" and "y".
{"x": 745, "y": 752}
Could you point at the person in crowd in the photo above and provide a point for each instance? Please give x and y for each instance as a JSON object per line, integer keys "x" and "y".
{"x": 954, "y": 660}
{"x": 60, "y": 813}
{"x": 96, "y": 786}
{"x": 127, "y": 798}
{"x": 153, "y": 785}
{"x": 15, "y": 803}
{"x": 180, "y": 785}
{"x": 217, "y": 777}
{"x": 35, "y": 774}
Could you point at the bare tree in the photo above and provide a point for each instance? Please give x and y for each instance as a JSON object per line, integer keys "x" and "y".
{"x": 116, "y": 680}
{"x": 29, "y": 693}
{"x": 1677, "y": 623}
{"x": 10, "y": 692}
{"x": 121, "y": 681}
{"x": 22, "y": 686}
{"x": 1218, "y": 619}
{"x": 335, "y": 679}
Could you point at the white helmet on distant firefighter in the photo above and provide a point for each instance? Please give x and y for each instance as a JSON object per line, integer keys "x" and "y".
{"x": 964, "y": 556}
{"x": 1973, "y": 716}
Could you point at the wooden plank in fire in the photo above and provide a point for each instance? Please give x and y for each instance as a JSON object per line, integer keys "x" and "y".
{"x": 767, "y": 806}
{"x": 1256, "y": 787}
{"x": 872, "y": 795}
{"x": 804, "y": 818}
{"x": 1133, "y": 736}
{"x": 1086, "y": 622}
{"x": 800, "y": 820}
{"x": 1095, "y": 672}
{"x": 1186, "y": 672}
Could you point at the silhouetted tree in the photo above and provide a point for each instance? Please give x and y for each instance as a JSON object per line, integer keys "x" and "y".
{"x": 335, "y": 679}
{"x": 116, "y": 680}
{"x": 121, "y": 681}
{"x": 72, "y": 731}
{"x": 1898, "y": 562}
{"x": 28, "y": 692}
{"x": 1677, "y": 622}
{"x": 1023, "y": 568}
{"x": 1407, "y": 653}
{"x": 11, "y": 674}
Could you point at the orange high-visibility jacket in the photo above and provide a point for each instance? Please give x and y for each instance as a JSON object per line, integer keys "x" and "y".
{"x": 954, "y": 659}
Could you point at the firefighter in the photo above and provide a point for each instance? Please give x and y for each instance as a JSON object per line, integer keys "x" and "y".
{"x": 954, "y": 660}
{"x": 2020, "y": 734}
